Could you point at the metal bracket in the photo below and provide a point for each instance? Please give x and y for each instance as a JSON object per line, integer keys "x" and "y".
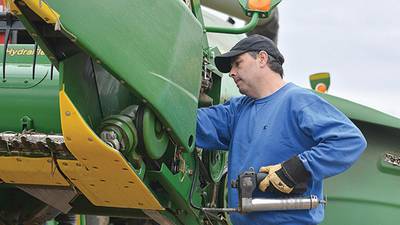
{"x": 26, "y": 123}
{"x": 392, "y": 159}
{"x": 58, "y": 197}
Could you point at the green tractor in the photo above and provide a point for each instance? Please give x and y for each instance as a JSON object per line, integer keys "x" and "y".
{"x": 98, "y": 117}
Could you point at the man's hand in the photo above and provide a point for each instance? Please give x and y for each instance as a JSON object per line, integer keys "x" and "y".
{"x": 285, "y": 176}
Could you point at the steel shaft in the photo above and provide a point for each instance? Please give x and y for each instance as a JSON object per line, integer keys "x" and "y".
{"x": 258, "y": 204}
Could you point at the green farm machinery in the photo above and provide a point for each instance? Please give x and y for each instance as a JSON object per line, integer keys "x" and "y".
{"x": 99, "y": 116}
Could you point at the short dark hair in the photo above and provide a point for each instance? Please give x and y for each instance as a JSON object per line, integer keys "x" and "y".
{"x": 272, "y": 63}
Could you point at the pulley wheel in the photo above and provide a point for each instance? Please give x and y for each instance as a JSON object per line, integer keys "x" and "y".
{"x": 215, "y": 162}
{"x": 223, "y": 197}
{"x": 125, "y": 131}
{"x": 154, "y": 138}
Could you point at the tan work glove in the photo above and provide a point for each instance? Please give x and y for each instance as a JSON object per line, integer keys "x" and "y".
{"x": 285, "y": 176}
{"x": 273, "y": 179}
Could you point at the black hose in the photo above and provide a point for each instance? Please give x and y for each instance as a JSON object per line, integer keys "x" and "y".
{"x": 34, "y": 60}
{"x": 97, "y": 87}
{"x": 51, "y": 71}
{"x": 195, "y": 174}
{"x": 8, "y": 31}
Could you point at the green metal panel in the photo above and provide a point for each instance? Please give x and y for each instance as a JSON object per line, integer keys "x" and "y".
{"x": 23, "y": 53}
{"x": 21, "y": 96}
{"x": 365, "y": 194}
{"x": 362, "y": 113}
{"x": 114, "y": 97}
{"x": 154, "y": 47}
{"x": 80, "y": 84}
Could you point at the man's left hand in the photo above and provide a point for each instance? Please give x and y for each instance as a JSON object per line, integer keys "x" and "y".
{"x": 284, "y": 176}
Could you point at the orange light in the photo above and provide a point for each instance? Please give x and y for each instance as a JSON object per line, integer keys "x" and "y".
{"x": 321, "y": 87}
{"x": 259, "y": 5}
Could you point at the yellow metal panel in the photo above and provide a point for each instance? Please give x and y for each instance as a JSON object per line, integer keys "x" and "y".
{"x": 43, "y": 10}
{"x": 24, "y": 170}
{"x": 107, "y": 179}
{"x": 13, "y": 8}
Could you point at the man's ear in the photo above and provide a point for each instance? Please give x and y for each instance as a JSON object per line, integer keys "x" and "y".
{"x": 263, "y": 57}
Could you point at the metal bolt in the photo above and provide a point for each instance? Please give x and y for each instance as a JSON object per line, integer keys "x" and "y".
{"x": 111, "y": 135}
{"x": 67, "y": 113}
{"x": 190, "y": 172}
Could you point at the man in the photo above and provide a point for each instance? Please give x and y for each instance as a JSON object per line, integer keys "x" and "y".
{"x": 277, "y": 128}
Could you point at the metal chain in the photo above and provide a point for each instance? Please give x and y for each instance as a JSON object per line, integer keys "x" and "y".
{"x": 392, "y": 159}
{"x": 33, "y": 144}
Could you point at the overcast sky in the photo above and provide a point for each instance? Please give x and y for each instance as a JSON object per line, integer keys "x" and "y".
{"x": 357, "y": 42}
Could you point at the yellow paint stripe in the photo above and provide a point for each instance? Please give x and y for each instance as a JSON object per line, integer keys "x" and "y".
{"x": 43, "y": 10}
{"x": 104, "y": 177}
{"x": 25, "y": 170}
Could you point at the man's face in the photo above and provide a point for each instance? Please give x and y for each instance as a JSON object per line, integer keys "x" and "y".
{"x": 245, "y": 72}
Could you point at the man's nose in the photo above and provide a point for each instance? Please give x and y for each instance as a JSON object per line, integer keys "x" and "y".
{"x": 232, "y": 72}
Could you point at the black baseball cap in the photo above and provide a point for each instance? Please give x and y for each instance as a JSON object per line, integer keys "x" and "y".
{"x": 254, "y": 42}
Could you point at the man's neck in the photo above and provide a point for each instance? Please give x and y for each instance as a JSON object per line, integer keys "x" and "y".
{"x": 270, "y": 87}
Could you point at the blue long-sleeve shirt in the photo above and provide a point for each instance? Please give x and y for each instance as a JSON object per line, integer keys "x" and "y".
{"x": 261, "y": 132}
